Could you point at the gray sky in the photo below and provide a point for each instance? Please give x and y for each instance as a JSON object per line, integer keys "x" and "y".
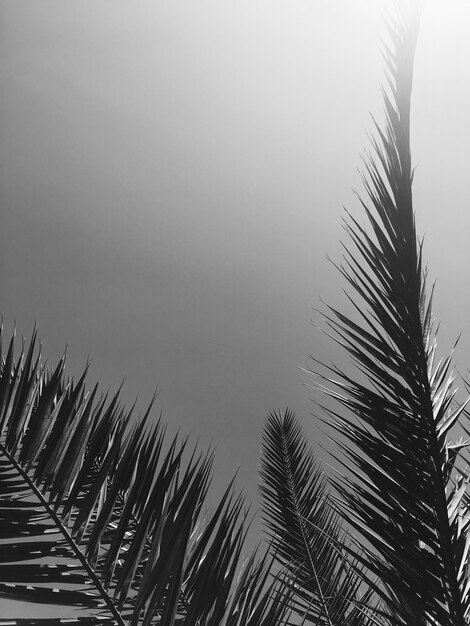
{"x": 172, "y": 177}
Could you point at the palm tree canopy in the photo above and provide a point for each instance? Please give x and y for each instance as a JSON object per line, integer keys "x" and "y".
{"x": 101, "y": 515}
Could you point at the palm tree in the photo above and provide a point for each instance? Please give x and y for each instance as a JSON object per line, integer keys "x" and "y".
{"x": 388, "y": 542}
{"x": 100, "y": 515}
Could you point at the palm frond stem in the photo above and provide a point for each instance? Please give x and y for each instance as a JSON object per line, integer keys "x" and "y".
{"x": 66, "y": 535}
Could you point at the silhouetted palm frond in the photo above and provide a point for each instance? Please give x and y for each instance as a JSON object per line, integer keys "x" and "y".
{"x": 402, "y": 492}
{"x": 98, "y": 514}
{"x": 306, "y": 533}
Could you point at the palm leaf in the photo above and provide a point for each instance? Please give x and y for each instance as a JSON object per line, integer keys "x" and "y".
{"x": 103, "y": 517}
{"x": 402, "y": 487}
{"x": 306, "y": 533}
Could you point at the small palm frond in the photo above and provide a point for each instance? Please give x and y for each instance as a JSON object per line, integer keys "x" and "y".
{"x": 402, "y": 487}
{"x": 306, "y": 535}
{"x": 100, "y": 515}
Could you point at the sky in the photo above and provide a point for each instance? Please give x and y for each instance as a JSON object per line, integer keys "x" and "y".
{"x": 172, "y": 177}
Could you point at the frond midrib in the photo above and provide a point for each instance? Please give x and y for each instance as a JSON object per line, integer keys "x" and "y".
{"x": 62, "y": 529}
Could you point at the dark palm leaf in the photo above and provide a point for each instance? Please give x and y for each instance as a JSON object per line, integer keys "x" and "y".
{"x": 305, "y": 532}
{"x": 100, "y": 516}
{"x": 403, "y": 491}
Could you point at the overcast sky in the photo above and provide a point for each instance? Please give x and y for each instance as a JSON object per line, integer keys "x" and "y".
{"x": 172, "y": 177}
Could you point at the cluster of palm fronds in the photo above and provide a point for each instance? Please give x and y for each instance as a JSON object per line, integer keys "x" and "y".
{"x": 391, "y": 545}
{"x": 100, "y": 514}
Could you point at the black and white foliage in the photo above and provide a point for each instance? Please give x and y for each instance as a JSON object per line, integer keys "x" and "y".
{"x": 404, "y": 488}
{"x": 102, "y": 516}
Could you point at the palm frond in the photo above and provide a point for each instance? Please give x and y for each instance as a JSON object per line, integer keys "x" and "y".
{"x": 306, "y": 534}
{"x": 402, "y": 491}
{"x": 102, "y": 516}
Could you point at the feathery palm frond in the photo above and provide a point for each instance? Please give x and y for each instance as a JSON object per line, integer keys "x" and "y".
{"x": 403, "y": 492}
{"x": 100, "y": 516}
{"x": 305, "y": 532}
